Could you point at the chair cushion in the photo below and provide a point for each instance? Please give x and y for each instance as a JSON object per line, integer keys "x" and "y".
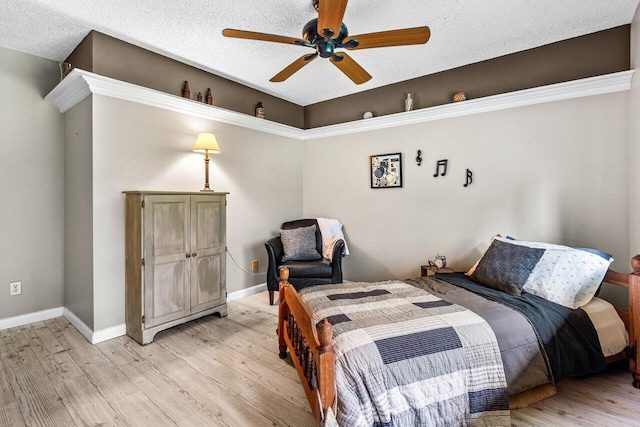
{"x": 320, "y": 268}
{"x": 299, "y": 244}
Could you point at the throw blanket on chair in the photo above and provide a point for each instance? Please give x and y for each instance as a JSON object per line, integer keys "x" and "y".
{"x": 331, "y": 230}
{"x": 405, "y": 357}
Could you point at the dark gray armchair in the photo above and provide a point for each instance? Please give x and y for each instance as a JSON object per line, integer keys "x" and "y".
{"x": 303, "y": 273}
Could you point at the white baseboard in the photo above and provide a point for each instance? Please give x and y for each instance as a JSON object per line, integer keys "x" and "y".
{"x": 109, "y": 333}
{"x": 25, "y": 319}
{"x": 94, "y": 337}
{"x": 246, "y": 292}
{"x": 79, "y": 324}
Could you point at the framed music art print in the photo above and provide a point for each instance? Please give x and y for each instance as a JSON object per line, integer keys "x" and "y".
{"x": 386, "y": 170}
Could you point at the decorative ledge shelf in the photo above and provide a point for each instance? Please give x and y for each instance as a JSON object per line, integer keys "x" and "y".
{"x": 79, "y": 84}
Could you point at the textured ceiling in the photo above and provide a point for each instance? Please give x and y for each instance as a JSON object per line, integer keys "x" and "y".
{"x": 462, "y": 32}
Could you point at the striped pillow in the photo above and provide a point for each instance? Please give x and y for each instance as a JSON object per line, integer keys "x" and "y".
{"x": 506, "y": 267}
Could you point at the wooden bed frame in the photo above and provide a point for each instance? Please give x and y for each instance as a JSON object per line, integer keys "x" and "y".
{"x": 312, "y": 353}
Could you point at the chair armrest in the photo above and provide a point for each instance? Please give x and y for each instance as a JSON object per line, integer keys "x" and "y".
{"x": 275, "y": 249}
{"x": 274, "y": 254}
{"x": 336, "y": 263}
{"x": 338, "y": 249}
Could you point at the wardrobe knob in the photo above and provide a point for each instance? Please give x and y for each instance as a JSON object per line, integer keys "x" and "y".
{"x": 195, "y": 254}
{"x": 188, "y": 255}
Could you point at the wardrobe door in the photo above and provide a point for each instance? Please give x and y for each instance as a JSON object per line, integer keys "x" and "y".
{"x": 167, "y": 239}
{"x": 208, "y": 287}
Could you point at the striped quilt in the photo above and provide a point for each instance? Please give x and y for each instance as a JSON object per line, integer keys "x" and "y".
{"x": 405, "y": 357}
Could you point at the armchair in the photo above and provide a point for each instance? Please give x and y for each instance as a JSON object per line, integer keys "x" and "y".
{"x": 303, "y": 273}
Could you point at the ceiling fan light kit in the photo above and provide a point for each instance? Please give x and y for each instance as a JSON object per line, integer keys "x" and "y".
{"x": 327, "y": 33}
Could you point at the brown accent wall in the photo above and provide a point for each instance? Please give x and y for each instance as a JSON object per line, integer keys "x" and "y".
{"x": 110, "y": 57}
{"x": 82, "y": 55}
{"x": 586, "y": 56}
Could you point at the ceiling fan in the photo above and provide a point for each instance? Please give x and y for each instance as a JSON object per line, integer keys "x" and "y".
{"x": 327, "y": 33}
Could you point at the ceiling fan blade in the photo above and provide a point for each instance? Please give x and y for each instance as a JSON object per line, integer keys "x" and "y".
{"x": 251, "y": 35}
{"x": 330, "y": 14}
{"x": 351, "y": 68}
{"x": 407, "y": 36}
{"x": 293, "y": 67}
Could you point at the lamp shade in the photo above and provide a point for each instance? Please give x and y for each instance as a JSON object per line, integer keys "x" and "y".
{"x": 206, "y": 141}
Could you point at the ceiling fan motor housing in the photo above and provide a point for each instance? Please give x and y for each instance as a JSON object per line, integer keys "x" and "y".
{"x": 324, "y": 46}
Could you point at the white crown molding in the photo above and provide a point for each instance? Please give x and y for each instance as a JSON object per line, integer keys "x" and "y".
{"x": 25, "y": 319}
{"x": 608, "y": 83}
{"x": 79, "y": 84}
{"x": 70, "y": 91}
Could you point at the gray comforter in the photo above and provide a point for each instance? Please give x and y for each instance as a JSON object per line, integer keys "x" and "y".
{"x": 405, "y": 357}
{"x": 522, "y": 357}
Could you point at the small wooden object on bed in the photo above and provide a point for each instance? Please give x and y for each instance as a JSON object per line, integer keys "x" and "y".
{"x": 314, "y": 359}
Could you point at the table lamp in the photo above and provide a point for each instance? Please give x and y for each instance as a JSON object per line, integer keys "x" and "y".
{"x": 206, "y": 143}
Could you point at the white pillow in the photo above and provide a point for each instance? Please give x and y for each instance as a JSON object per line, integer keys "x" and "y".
{"x": 566, "y": 276}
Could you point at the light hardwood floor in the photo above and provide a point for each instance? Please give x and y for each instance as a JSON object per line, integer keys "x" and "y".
{"x": 215, "y": 372}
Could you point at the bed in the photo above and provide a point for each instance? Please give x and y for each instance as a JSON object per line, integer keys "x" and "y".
{"x": 308, "y": 328}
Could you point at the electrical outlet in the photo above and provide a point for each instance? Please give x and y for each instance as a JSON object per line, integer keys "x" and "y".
{"x": 254, "y": 265}
{"x": 15, "y": 288}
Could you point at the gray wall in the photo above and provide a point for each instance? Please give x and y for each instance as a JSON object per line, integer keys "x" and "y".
{"x": 136, "y": 147}
{"x": 31, "y": 185}
{"x": 78, "y": 214}
{"x": 634, "y": 138}
{"x": 555, "y": 172}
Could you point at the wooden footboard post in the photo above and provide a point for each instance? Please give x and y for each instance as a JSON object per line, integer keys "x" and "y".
{"x": 326, "y": 366}
{"x": 634, "y": 320}
{"x": 283, "y": 311}
{"x": 310, "y": 347}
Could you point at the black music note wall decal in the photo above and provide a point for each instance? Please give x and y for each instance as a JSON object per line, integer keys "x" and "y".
{"x": 444, "y": 164}
{"x": 418, "y": 158}
{"x": 469, "y": 178}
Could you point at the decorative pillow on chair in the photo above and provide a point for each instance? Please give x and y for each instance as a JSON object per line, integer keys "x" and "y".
{"x": 506, "y": 267}
{"x": 299, "y": 244}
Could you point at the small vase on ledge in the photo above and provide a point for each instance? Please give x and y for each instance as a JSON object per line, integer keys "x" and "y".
{"x": 408, "y": 103}
{"x": 186, "y": 92}
{"x": 259, "y": 110}
{"x": 459, "y": 97}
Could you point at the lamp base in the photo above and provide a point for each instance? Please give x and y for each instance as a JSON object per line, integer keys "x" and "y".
{"x": 206, "y": 190}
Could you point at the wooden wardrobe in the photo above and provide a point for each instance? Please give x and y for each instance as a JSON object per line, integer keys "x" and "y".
{"x": 175, "y": 259}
